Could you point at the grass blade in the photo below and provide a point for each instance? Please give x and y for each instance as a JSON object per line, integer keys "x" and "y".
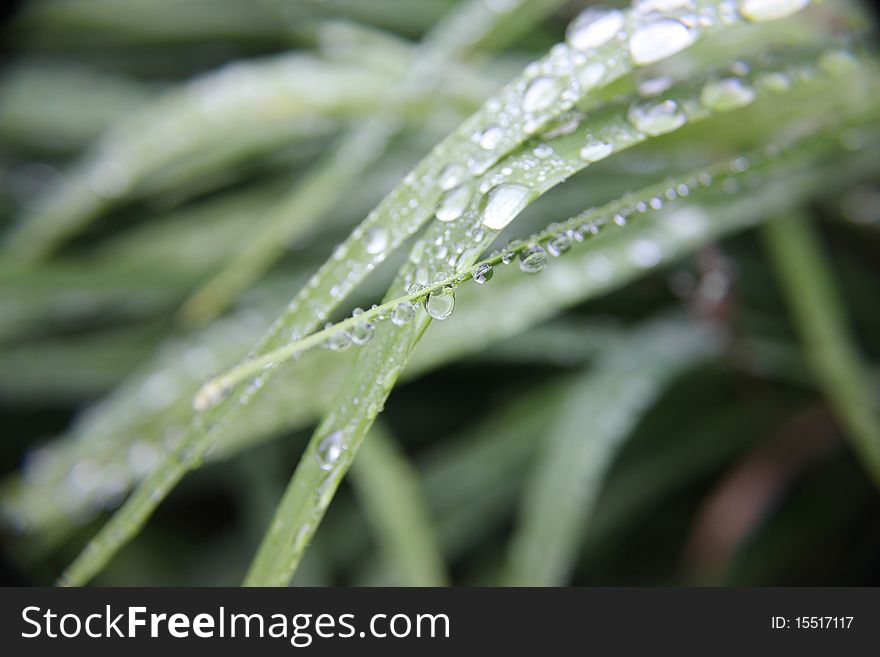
{"x": 807, "y": 284}
{"x": 389, "y": 490}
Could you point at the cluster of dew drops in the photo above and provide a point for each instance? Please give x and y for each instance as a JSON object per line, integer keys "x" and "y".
{"x": 659, "y": 28}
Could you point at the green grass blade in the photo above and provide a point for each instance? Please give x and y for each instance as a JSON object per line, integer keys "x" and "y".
{"x": 389, "y": 490}
{"x": 807, "y": 284}
{"x": 599, "y": 412}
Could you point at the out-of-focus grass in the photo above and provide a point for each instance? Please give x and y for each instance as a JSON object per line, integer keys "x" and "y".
{"x": 202, "y": 163}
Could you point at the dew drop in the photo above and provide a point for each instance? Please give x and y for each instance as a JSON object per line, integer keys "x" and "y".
{"x": 645, "y": 253}
{"x": 376, "y": 240}
{"x": 558, "y": 245}
{"x": 543, "y": 151}
{"x": 414, "y": 289}
{"x": 541, "y": 93}
{"x": 656, "y": 118}
{"x": 402, "y": 313}
{"x": 659, "y": 39}
{"x": 361, "y": 333}
{"x": 490, "y": 137}
{"x": 503, "y": 203}
{"x": 452, "y": 176}
{"x": 590, "y": 75}
{"x": 533, "y": 259}
{"x": 483, "y": 274}
{"x": 440, "y": 303}
{"x": 330, "y": 450}
{"x": 726, "y": 95}
{"x": 759, "y": 11}
{"x": 454, "y": 203}
{"x": 595, "y": 150}
{"x": 594, "y": 27}
{"x": 339, "y": 341}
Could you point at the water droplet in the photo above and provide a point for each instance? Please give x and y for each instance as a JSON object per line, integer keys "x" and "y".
{"x": 542, "y": 151}
{"x": 402, "y": 313}
{"x": 440, "y": 303}
{"x": 211, "y": 394}
{"x": 339, "y": 341}
{"x": 509, "y": 252}
{"x": 659, "y": 39}
{"x": 503, "y": 203}
{"x": 656, "y": 118}
{"x": 454, "y": 203}
{"x": 413, "y": 289}
{"x": 361, "y": 333}
{"x": 533, "y": 259}
{"x": 483, "y": 274}
{"x": 558, "y": 245}
{"x": 768, "y": 10}
{"x": 726, "y": 95}
{"x": 330, "y": 450}
{"x": 541, "y": 93}
{"x": 595, "y": 150}
{"x": 654, "y": 86}
{"x": 452, "y": 176}
{"x": 776, "y": 82}
{"x": 376, "y": 240}
{"x": 589, "y": 75}
{"x": 490, "y": 137}
{"x": 594, "y": 27}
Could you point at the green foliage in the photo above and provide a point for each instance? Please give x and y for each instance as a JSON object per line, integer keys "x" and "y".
{"x": 182, "y": 268}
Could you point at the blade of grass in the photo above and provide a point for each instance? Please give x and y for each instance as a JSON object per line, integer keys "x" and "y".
{"x": 597, "y": 415}
{"x": 390, "y": 493}
{"x": 807, "y": 284}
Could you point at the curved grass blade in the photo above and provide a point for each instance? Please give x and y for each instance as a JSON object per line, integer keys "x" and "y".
{"x": 310, "y": 307}
{"x": 388, "y": 488}
{"x": 807, "y": 285}
{"x": 315, "y": 195}
{"x": 600, "y": 410}
{"x": 293, "y": 95}
{"x": 130, "y": 421}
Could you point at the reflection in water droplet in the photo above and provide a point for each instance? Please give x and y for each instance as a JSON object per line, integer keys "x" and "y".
{"x": 533, "y": 259}
{"x": 659, "y": 39}
{"x": 594, "y": 27}
{"x": 440, "y": 303}
{"x": 503, "y": 203}
{"x": 558, "y": 244}
{"x": 656, "y": 118}
{"x": 339, "y": 341}
{"x": 483, "y": 274}
{"x": 330, "y": 450}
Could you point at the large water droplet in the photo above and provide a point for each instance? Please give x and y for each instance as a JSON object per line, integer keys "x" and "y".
{"x": 440, "y": 303}
{"x": 533, "y": 259}
{"x": 659, "y": 39}
{"x": 361, "y": 333}
{"x": 768, "y": 10}
{"x": 656, "y": 118}
{"x": 726, "y": 95}
{"x": 454, "y": 203}
{"x": 483, "y": 274}
{"x": 330, "y": 450}
{"x": 376, "y": 240}
{"x": 541, "y": 93}
{"x": 402, "y": 313}
{"x": 594, "y": 27}
{"x": 503, "y": 203}
{"x": 595, "y": 150}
